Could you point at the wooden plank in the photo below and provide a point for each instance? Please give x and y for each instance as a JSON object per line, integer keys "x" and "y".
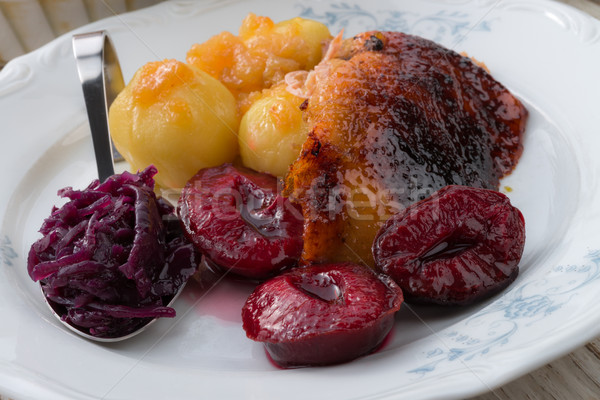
{"x": 10, "y": 46}
{"x": 28, "y": 21}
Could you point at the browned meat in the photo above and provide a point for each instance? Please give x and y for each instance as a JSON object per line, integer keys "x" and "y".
{"x": 393, "y": 118}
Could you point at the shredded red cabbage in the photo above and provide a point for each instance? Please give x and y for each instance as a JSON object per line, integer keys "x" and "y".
{"x": 113, "y": 256}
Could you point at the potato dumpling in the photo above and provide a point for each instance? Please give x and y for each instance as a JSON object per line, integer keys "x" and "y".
{"x": 261, "y": 55}
{"x": 272, "y": 132}
{"x": 176, "y": 117}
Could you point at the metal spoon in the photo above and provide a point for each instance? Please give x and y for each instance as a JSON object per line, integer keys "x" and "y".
{"x": 101, "y": 81}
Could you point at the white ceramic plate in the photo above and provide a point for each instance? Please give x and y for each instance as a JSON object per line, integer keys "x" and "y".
{"x": 546, "y": 53}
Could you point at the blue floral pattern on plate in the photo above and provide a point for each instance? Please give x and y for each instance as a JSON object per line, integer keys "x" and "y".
{"x": 523, "y": 306}
{"x": 438, "y": 26}
{"x": 7, "y": 253}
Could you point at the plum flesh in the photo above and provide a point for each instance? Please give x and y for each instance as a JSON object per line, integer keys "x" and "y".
{"x": 322, "y": 314}
{"x": 455, "y": 247}
{"x": 237, "y": 218}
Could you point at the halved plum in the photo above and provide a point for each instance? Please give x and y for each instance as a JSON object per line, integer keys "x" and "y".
{"x": 458, "y": 246}
{"x": 322, "y": 314}
{"x": 238, "y": 219}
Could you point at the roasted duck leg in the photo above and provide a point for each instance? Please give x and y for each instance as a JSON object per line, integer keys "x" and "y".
{"x": 393, "y": 118}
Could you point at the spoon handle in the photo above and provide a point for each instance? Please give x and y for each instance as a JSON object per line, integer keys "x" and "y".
{"x": 101, "y": 80}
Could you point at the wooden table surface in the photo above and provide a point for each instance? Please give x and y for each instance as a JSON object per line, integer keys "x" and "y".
{"x": 573, "y": 377}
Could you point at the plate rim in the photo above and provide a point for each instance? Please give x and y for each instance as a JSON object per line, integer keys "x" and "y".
{"x": 16, "y": 71}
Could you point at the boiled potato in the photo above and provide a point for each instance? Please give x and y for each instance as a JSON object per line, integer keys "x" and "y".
{"x": 272, "y": 132}
{"x": 176, "y": 117}
{"x": 260, "y": 56}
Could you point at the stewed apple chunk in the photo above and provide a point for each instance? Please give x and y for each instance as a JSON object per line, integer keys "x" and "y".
{"x": 260, "y": 56}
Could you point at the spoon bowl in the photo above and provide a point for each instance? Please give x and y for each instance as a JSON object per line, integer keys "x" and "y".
{"x": 56, "y": 311}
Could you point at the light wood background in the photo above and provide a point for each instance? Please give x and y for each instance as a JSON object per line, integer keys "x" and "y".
{"x": 26, "y": 25}
{"x": 573, "y": 377}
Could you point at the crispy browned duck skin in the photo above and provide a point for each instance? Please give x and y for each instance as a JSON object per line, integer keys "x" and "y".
{"x": 393, "y": 118}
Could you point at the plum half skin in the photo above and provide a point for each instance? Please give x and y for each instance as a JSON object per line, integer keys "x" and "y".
{"x": 237, "y": 218}
{"x": 322, "y": 314}
{"x": 456, "y": 247}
